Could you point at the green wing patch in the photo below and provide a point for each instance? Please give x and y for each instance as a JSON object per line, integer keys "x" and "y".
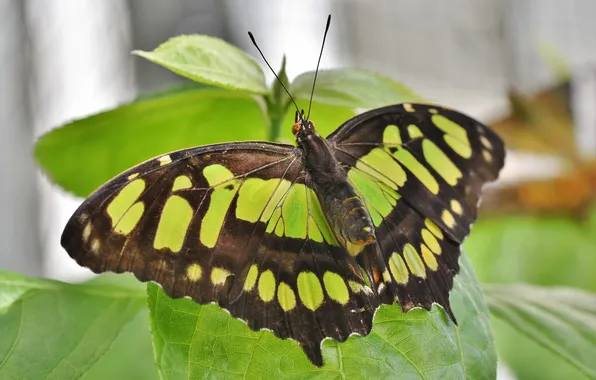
{"x": 235, "y": 224}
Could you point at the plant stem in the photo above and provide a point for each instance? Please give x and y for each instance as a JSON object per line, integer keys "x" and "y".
{"x": 278, "y": 102}
{"x": 275, "y": 129}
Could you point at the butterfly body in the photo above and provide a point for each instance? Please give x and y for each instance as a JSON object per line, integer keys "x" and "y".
{"x": 343, "y": 208}
{"x": 305, "y": 241}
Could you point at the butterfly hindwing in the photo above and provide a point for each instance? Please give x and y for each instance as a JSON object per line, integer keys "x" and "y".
{"x": 420, "y": 260}
{"x": 236, "y": 224}
{"x": 419, "y": 169}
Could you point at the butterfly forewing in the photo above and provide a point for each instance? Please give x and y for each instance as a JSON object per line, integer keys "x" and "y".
{"x": 438, "y": 158}
{"x": 236, "y": 224}
{"x": 419, "y": 168}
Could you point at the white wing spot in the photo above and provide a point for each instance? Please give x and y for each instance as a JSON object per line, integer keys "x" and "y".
{"x": 87, "y": 232}
{"x": 487, "y": 156}
{"x": 486, "y": 142}
{"x": 95, "y": 246}
{"x": 164, "y": 160}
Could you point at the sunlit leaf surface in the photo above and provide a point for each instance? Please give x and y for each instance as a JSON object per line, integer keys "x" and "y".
{"x": 209, "y": 60}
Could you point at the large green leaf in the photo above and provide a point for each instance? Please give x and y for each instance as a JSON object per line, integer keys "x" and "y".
{"x": 194, "y": 341}
{"x": 82, "y": 155}
{"x": 53, "y": 330}
{"x": 561, "y": 319}
{"x": 537, "y": 250}
{"x": 130, "y": 356}
{"x": 209, "y": 60}
{"x": 352, "y": 88}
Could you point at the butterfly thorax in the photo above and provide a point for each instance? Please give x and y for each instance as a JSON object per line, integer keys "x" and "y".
{"x": 343, "y": 208}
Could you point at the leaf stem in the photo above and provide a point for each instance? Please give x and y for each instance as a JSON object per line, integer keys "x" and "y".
{"x": 275, "y": 127}
{"x": 278, "y": 101}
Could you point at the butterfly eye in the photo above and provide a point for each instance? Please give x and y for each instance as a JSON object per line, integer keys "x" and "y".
{"x": 295, "y": 128}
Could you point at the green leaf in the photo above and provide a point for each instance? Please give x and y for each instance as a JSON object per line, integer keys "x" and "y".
{"x": 194, "y": 341}
{"x": 174, "y": 89}
{"x": 277, "y": 102}
{"x": 14, "y": 286}
{"x": 326, "y": 118}
{"x": 538, "y": 250}
{"x": 279, "y": 97}
{"x": 54, "y": 330}
{"x": 352, "y": 88}
{"x": 337, "y": 95}
{"x": 209, "y": 60}
{"x": 561, "y": 319}
{"x": 541, "y": 251}
{"x": 131, "y": 354}
{"x": 85, "y": 153}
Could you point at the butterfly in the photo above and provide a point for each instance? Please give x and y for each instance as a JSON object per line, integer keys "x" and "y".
{"x": 307, "y": 240}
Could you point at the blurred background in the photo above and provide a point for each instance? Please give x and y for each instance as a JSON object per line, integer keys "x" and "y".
{"x": 525, "y": 67}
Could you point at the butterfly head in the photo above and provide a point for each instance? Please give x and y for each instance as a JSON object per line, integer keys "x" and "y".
{"x": 302, "y": 127}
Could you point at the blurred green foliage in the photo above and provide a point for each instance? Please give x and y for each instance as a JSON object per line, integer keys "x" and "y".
{"x": 544, "y": 251}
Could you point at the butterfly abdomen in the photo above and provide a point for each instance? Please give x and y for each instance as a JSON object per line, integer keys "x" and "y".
{"x": 347, "y": 214}
{"x": 344, "y": 209}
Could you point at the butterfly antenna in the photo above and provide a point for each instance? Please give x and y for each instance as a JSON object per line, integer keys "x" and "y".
{"x": 252, "y": 38}
{"x": 318, "y": 63}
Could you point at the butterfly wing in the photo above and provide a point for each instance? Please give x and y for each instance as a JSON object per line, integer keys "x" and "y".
{"x": 420, "y": 169}
{"x": 235, "y": 224}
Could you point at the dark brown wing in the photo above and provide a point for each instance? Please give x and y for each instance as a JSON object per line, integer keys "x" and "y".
{"x": 234, "y": 224}
{"x": 419, "y": 169}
